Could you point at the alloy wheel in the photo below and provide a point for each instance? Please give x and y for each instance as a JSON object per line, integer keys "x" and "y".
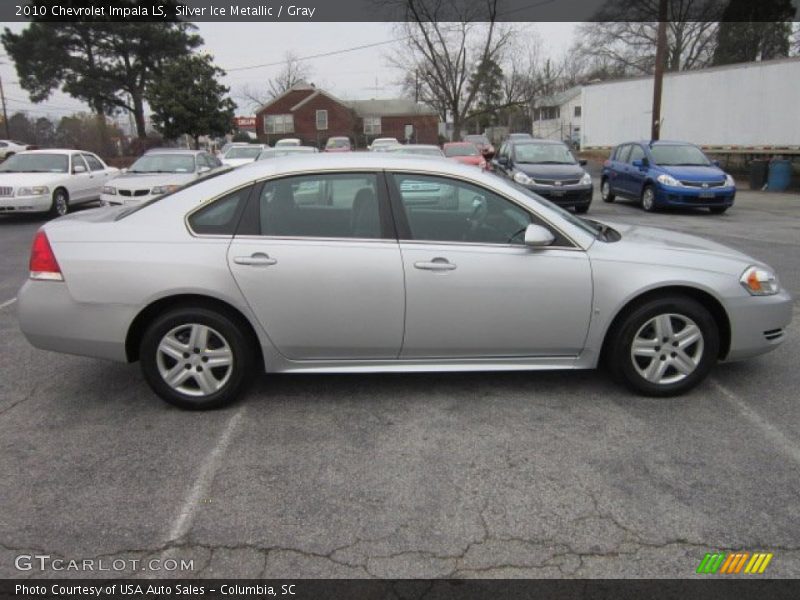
{"x": 60, "y": 204}
{"x": 194, "y": 359}
{"x": 667, "y": 348}
{"x": 648, "y": 199}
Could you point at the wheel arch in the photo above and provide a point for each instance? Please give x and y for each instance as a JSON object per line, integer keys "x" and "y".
{"x": 706, "y": 299}
{"x": 151, "y": 311}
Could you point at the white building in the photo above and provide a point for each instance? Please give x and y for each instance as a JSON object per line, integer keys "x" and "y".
{"x": 558, "y": 117}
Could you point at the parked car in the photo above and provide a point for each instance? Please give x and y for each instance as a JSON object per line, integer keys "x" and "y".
{"x": 548, "y": 168}
{"x": 51, "y": 180}
{"x": 519, "y": 137}
{"x": 157, "y": 172}
{"x": 420, "y": 149}
{"x": 288, "y": 142}
{"x": 466, "y": 153}
{"x": 11, "y": 147}
{"x": 663, "y": 174}
{"x": 230, "y": 145}
{"x": 236, "y": 156}
{"x": 482, "y": 142}
{"x": 331, "y": 264}
{"x": 285, "y": 151}
{"x": 382, "y": 144}
{"x": 338, "y": 144}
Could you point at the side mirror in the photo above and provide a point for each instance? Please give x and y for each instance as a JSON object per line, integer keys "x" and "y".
{"x": 78, "y": 169}
{"x": 202, "y": 170}
{"x": 502, "y": 161}
{"x": 640, "y": 164}
{"x": 715, "y": 163}
{"x": 537, "y": 236}
{"x": 582, "y": 162}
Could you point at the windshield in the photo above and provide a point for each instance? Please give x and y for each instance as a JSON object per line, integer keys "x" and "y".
{"x": 477, "y": 139}
{"x": 385, "y": 142}
{"x": 674, "y": 155}
{"x": 589, "y": 227}
{"x": 36, "y": 163}
{"x": 551, "y": 154}
{"x": 418, "y": 150}
{"x": 465, "y": 150}
{"x": 243, "y": 152}
{"x": 338, "y": 143}
{"x": 164, "y": 163}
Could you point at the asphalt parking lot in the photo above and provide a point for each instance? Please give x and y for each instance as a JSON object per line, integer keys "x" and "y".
{"x": 462, "y": 475}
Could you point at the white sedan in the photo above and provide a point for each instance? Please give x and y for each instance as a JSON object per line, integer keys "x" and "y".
{"x": 51, "y": 180}
{"x": 9, "y": 148}
{"x": 236, "y": 156}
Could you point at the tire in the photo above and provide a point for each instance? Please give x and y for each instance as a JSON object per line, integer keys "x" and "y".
{"x": 60, "y": 205}
{"x": 638, "y": 356}
{"x": 605, "y": 191}
{"x": 167, "y": 349}
{"x": 581, "y": 209}
{"x": 649, "y": 198}
{"x": 718, "y": 210}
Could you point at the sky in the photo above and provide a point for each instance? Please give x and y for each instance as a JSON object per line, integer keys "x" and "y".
{"x": 360, "y": 74}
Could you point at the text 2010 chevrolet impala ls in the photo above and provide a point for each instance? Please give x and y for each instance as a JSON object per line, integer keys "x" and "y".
{"x": 373, "y": 262}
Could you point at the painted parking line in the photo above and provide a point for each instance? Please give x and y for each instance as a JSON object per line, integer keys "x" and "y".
{"x": 7, "y": 303}
{"x": 772, "y": 433}
{"x": 205, "y": 477}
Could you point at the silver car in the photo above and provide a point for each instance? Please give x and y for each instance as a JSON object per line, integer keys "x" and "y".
{"x": 372, "y": 262}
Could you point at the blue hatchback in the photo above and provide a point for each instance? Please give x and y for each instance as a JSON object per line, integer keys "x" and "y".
{"x": 662, "y": 174}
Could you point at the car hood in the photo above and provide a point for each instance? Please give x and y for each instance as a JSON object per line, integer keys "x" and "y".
{"x": 654, "y": 246}
{"x": 468, "y": 160}
{"x": 237, "y": 162}
{"x": 550, "y": 171}
{"x": 694, "y": 173}
{"x": 146, "y": 180}
{"x": 28, "y": 179}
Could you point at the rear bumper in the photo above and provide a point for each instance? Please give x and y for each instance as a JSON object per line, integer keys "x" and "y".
{"x": 694, "y": 197}
{"x": 51, "y": 319}
{"x": 19, "y": 204}
{"x": 758, "y": 324}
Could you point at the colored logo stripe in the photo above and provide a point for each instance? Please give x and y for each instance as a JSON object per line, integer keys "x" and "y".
{"x": 758, "y": 563}
{"x": 734, "y": 563}
{"x": 711, "y": 562}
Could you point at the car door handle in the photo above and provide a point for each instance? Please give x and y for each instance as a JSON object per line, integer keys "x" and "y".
{"x": 255, "y": 260}
{"x": 437, "y": 264}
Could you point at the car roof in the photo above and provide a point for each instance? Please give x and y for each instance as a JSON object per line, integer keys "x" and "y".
{"x": 658, "y": 143}
{"x": 419, "y": 146}
{"x": 55, "y": 151}
{"x": 174, "y": 151}
{"x": 534, "y": 141}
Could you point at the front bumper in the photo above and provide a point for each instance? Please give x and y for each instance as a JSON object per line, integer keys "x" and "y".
{"x": 758, "y": 324}
{"x": 694, "y": 197}
{"x": 119, "y": 200}
{"x": 17, "y": 204}
{"x": 572, "y": 195}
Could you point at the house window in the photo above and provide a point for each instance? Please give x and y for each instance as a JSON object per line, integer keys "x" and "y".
{"x": 279, "y": 124}
{"x": 322, "y": 119}
{"x": 577, "y": 111}
{"x": 372, "y": 125}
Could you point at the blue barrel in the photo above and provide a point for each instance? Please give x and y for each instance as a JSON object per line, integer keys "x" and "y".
{"x": 780, "y": 175}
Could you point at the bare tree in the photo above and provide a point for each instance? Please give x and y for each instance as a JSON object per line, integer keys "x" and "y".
{"x": 622, "y": 40}
{"x": 293, "y": 72}
{"x": 445, "y": 41}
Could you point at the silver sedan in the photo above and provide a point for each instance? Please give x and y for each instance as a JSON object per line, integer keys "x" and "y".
{"x": 373, "y": 262}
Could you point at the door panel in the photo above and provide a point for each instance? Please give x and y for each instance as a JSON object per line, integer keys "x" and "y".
{"x": 635, "y": 176}
{"x": 495, "y": 301}
{"x": 80, "y": 184}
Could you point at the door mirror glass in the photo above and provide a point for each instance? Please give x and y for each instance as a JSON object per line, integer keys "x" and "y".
{"x": 640, "y": 163}
{"x": 537, "y": 236}
{"x": 78, "y": 169}
{"x": 502, "y": 160}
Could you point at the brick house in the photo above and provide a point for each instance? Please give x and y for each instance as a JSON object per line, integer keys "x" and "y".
{"x": 314, "y": 115}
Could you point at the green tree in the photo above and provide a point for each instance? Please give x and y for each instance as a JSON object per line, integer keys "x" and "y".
{"x": 487, "y": 85}
{"x": 20, "y": 128}
{"x": 107, "y": 65}
{"x": 754, "y": 31}
{"x": 188, "y": 99}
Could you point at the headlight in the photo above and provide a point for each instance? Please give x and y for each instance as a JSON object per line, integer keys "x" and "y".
{"x": 759, "y": 281}
{"x": 668, "y": 180}
{"x": 729, "y": 181}
{"x": 523, "y": 179}
{"x": 164, "y": 189}
{"x": 586, "y": 179}
{"x": 39, "y": 190}
{"x": 111, "y": 191}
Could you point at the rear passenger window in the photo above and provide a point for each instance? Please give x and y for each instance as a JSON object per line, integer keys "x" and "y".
{"x": 321, "y": 205}
{"x": 636, "y": 153}
{"x": 221, "y": 216}
{"x": 622, "y": 153}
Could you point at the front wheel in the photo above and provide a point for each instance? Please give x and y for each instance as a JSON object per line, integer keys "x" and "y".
{"x": 196, "y": 358}
{"x": 664, "y": 347}
{"x": 605, "y": 191}
{"x": 60, "y": 204}
{"x": 649, "y": 198}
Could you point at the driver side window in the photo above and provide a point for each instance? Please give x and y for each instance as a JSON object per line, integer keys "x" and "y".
{"x": 438, "y": 209}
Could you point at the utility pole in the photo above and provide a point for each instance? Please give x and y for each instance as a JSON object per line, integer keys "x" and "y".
{"x": 661, "y": 49}
{"x": 5, "y": 114}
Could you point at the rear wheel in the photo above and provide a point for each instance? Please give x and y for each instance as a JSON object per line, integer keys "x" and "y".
{"x": 60, "y": 204}
{"x": 196, "y": 358}
{"x": 664, "y": 347}
{"x": 649, "y": 198}
{"x": 605, "y": 191}
{"x": 718, "y": 210}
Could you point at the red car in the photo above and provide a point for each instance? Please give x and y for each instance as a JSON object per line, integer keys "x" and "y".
{"x": 466, "y": 153}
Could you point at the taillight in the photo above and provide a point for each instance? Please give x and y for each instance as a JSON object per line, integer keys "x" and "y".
{"x": 43, "y": 262}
